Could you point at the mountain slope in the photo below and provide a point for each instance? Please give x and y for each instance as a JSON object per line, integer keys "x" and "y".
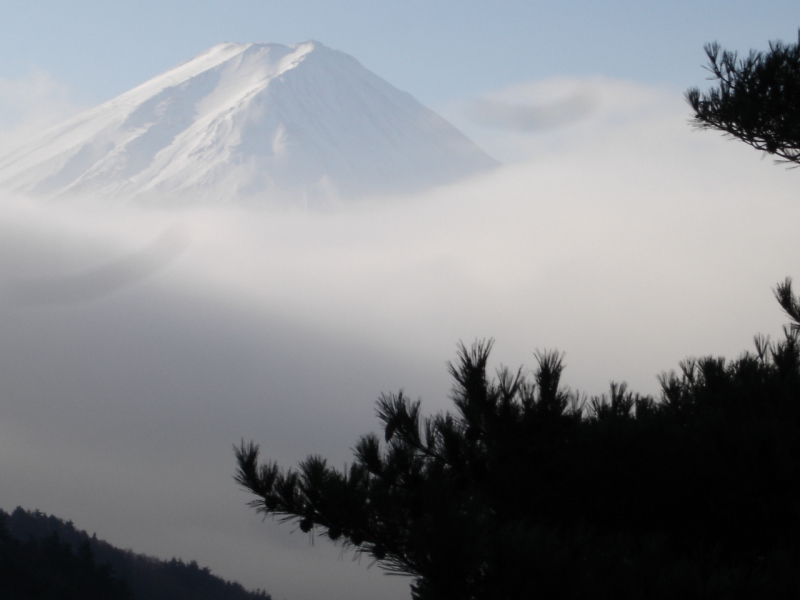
{"x": 260, "y": 122}
{"x": 145, "y": 577}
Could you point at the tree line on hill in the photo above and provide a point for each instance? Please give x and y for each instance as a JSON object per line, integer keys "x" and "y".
{"x": 49, "y": 568}
{"x": 530, "y": 490}
{"x": 43, "y": 557}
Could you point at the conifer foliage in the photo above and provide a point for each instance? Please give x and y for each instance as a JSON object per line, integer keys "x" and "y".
{"x": 757, "y": 99}
{"x": 528, "y": 489}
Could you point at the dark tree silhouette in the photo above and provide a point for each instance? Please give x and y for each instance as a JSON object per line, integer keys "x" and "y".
{"x": 757, "y": 99}
{"x": 42, "y": 556}
{"x": 531, "y": 490}
{"x": 44, "y": 568}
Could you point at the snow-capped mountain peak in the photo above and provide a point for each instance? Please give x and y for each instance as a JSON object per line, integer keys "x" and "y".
{"x": 260, "y": 122}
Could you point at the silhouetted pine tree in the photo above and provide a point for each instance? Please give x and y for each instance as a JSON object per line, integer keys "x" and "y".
{"x": 757, "y": 99}
{"x": 529, "y": 489}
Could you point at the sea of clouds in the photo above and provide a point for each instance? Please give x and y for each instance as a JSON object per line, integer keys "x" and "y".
{"x": 137, "y": 345}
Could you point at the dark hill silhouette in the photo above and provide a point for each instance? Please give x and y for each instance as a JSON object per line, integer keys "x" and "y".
{"x": 146, "y": 578}
{"x": 45, "y": 568}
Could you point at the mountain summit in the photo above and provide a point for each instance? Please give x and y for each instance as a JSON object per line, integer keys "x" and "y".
{"x": 257, "y": 122}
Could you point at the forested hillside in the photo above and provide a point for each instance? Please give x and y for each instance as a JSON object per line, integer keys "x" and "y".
{"x": 43, "y": 557}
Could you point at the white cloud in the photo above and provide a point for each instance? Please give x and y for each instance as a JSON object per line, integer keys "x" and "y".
{"x": 623, "y": 238}
{"x": 31, "y": 103}
{"x": 548, "y": 117}
{"x": 533, "y": 117}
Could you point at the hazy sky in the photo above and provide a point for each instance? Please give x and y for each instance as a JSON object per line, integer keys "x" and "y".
{"x": 137, "y": 346}
{"x": 440, "y": 52}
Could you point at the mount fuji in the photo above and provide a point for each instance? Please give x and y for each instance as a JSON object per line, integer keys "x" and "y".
{"x": 261, "y": 123}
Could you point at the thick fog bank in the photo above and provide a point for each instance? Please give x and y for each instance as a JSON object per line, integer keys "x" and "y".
{"x": 138, "y": 344}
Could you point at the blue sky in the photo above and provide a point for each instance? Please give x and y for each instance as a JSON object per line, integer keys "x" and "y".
{"x": 439, "y": 50}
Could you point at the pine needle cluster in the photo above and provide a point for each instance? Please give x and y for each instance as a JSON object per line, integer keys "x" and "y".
{"x": 528, "y": 489}
{"x": 756, "y": 99}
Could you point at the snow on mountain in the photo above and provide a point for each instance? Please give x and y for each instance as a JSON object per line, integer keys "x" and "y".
{"x": 260, "y": 122}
